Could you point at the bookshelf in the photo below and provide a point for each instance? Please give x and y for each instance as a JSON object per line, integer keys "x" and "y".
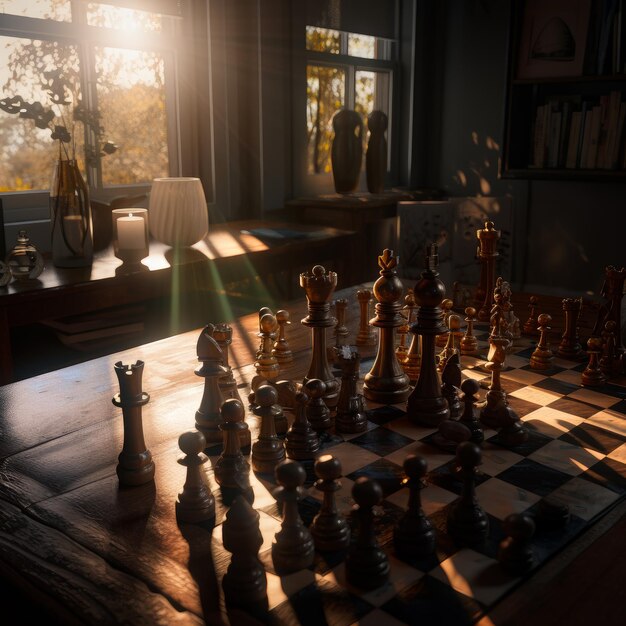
{"x": 565, "y": 111}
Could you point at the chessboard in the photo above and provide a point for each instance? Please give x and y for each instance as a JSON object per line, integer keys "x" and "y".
{"x": 574, "y": 460}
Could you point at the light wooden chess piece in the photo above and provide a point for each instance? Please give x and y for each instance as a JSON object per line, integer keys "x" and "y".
{"x": 592, "y": 376}
{"x": 195, "y": 504}
{"x": 454, "y": 326}
{"x": 446, "y": 307}
{"x": 366, "y": 335}
{"x": 495, "y": 398}
{"x": 411, "y": 362}
{"x": 570, "y": 347}
{"x": 530, "y": 325}
{"x": 487, "y": 253}
{"x": 135, "y": 465}
{"x": 266, "y": 365}
{"x": 469, "y": 343}
{"x": 542, "y": 357}
{"x": 281, "y": 349}
{"x": 223, "y": 334}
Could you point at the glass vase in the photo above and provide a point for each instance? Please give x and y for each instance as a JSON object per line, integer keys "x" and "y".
{"x": 70, "y": 217}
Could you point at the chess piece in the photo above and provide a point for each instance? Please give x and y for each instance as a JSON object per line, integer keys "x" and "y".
{"x": 515, "y": 552}
{"x": 470, "y": 388}
{"x": 285, "y": 390}
{"x": 503, "y": 310}
{"x": 245, "y": 582}
{"x": 530, "y": 325}
{"x": 281, "y": 349}
{"x": 613, "y": 292}
{"x": 450, "y": 384}
{"x": 401, "y": 349}
{"x": 450, "y": 434}
{"x": 469, "y": 343}
{"x": 232, "y": 470}
{"x": 608, "y": 363}
{"x": 319, "y": 286}
{"x": 495, "y": 398}
{"x": 301, "y": 441}
{"x": 350, "y": 416}
{"x": 330, "y": 530}
{"x": 268, "y": 450}
{"x": 542, "y": 357}
{"x": 293, "y": 547}
{"x": 135, "y": 465}
{"x": 266, "y": 365}
{"x": 341, "y": 331}
{"x": 454, "y": 325}
{"x": 196, "y": 503}
{"x": 511, "y": 430}
{"x": 569, "y": 347}
{"x": 426, "y": 404}
{"x": 512, "y": 321}
{"x": 414, "y": 535}
{"x": 223, "y": 334}
{"x": 467, "y": 523}
{"x": 366, "y": 335}
{"x": 488, "y": 240}
{"x": 317, "y": 412}
{"x": 446, "y": 307}
{"x": 386, "y": 381}
{"x": 592, "y": 376}
{"x": 412, "y": 360}
{"x": 208, "y": 417}
{"x": 367, "y": 566}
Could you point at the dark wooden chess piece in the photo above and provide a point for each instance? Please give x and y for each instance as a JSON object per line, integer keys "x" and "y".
{"x": 592, "y": 376}
{"x": 613, "y": 292}
{"x": 266, "y": 365}
{"x": 468, "y": 524}
{"x": 223, "y": 334}
{"x": 450, "y": 434}
{"x": 317, "y": 412}
{"x": 414, "y": 535}
{"x": 330, "y": 530}
{"x": 232, "y": 470}
{"x": 268, "y": 450}
{"x": 341, "y": 330}
{"x": 293, "y": 547}
{"x": 495, "y": 398}
{"x": 542, "y": 357}
{"x": 454, "y": 325}
{"x": 470, "y": 388}
{"x": 366, "y": 335}
{"x": 245, "y": 582}
{"x": 319, "y": 286}
{"x": 530, "y": 325}
{"x": 515, "y": 552}
{"x": 570, "y": 347}
{"x": 426, "y": 404}
{"x": 487, "y": 253}
{"x": 135, "y": 465}
{"x": 281, "y": 349}
{"x": 386, "y": 381}
{"x": 367, "y": 566}
{"x": 350, "y": 416}
{"x": 511, "y": 429}
{"x": 446, "y": 308}
{"x": 469, "y": 343}
{"x": 208, "y": 417}
{"x": 608, "y": 363}
{"x": 301, "y": 441}
{"x": 451, "y": 383}
{"x": 196, "y": 504}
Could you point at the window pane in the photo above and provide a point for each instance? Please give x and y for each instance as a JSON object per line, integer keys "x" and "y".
{"x": 323, "y": 39}
{"x": 40, "y": 79}
{"x": 131, "y": 98}
{"x": 60, "y": 10}
{"x": 362, "y": 46}
{"x": 107, "y": 16}
{"x": 325, "y": 96}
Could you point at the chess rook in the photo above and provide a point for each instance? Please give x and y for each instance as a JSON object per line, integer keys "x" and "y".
{"x": 135, "y": 465}
{"x": 366, "y": 335}
{"x": 487, "y": 253}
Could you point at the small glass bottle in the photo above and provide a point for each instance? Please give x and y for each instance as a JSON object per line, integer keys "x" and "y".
{"x": 24, "y": 260}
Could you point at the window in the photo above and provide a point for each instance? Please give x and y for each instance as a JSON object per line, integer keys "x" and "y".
{"x": 104, "y": 71}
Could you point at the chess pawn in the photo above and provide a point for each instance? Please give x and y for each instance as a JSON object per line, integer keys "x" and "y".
{"x": 281, "y": 349}
{"x": 467, "y": 523}
{"x": 469, "y": 343}
{"x": 266, "y": 364}
{"x": 223, "y": 334}
{"x": 446, "y": 307}
{"x": 608, "y": 361}
{"x": 470, "y": 388}
{"x": 350, "y": 416}
{"x": 570, "y": 347}
{"x": 530, "y": 325}
{"x": 454, "y": 325}
{"x": 196, "y": 503}
{"x": 232, "y": 471}
{"x": 592, "y": 376}
{"x": 330, "y": 530}
{"x": 293, "y": 547}
{"x": 366, "y": 335}
{"x": 245, "y": 582}
{"x": 317, "y": 412}
{"x": 268, "y": 451}
{"x": 515, "y": 552}
{"x": 411, "y": 362}
{"x": 341, "y": 331}
{"x": 413, "y": 535}
{"x": 367, "y": 566}
{"x": 301, "y": 441}
{"x": 542, "y": 357}
{"x": 135, "y": 465}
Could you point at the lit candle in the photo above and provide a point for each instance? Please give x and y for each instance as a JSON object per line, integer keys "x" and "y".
{"x": 131, "y": 234}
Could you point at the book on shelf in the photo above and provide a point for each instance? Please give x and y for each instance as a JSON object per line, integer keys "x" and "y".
{"x": 571, "y": 159}
{"x": 586, "y": 139}
{"x": 592, "y": 148}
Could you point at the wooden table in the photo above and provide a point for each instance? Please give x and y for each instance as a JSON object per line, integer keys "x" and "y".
{"x": 77, "y": 549}
{"x": 227, "y": 255}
